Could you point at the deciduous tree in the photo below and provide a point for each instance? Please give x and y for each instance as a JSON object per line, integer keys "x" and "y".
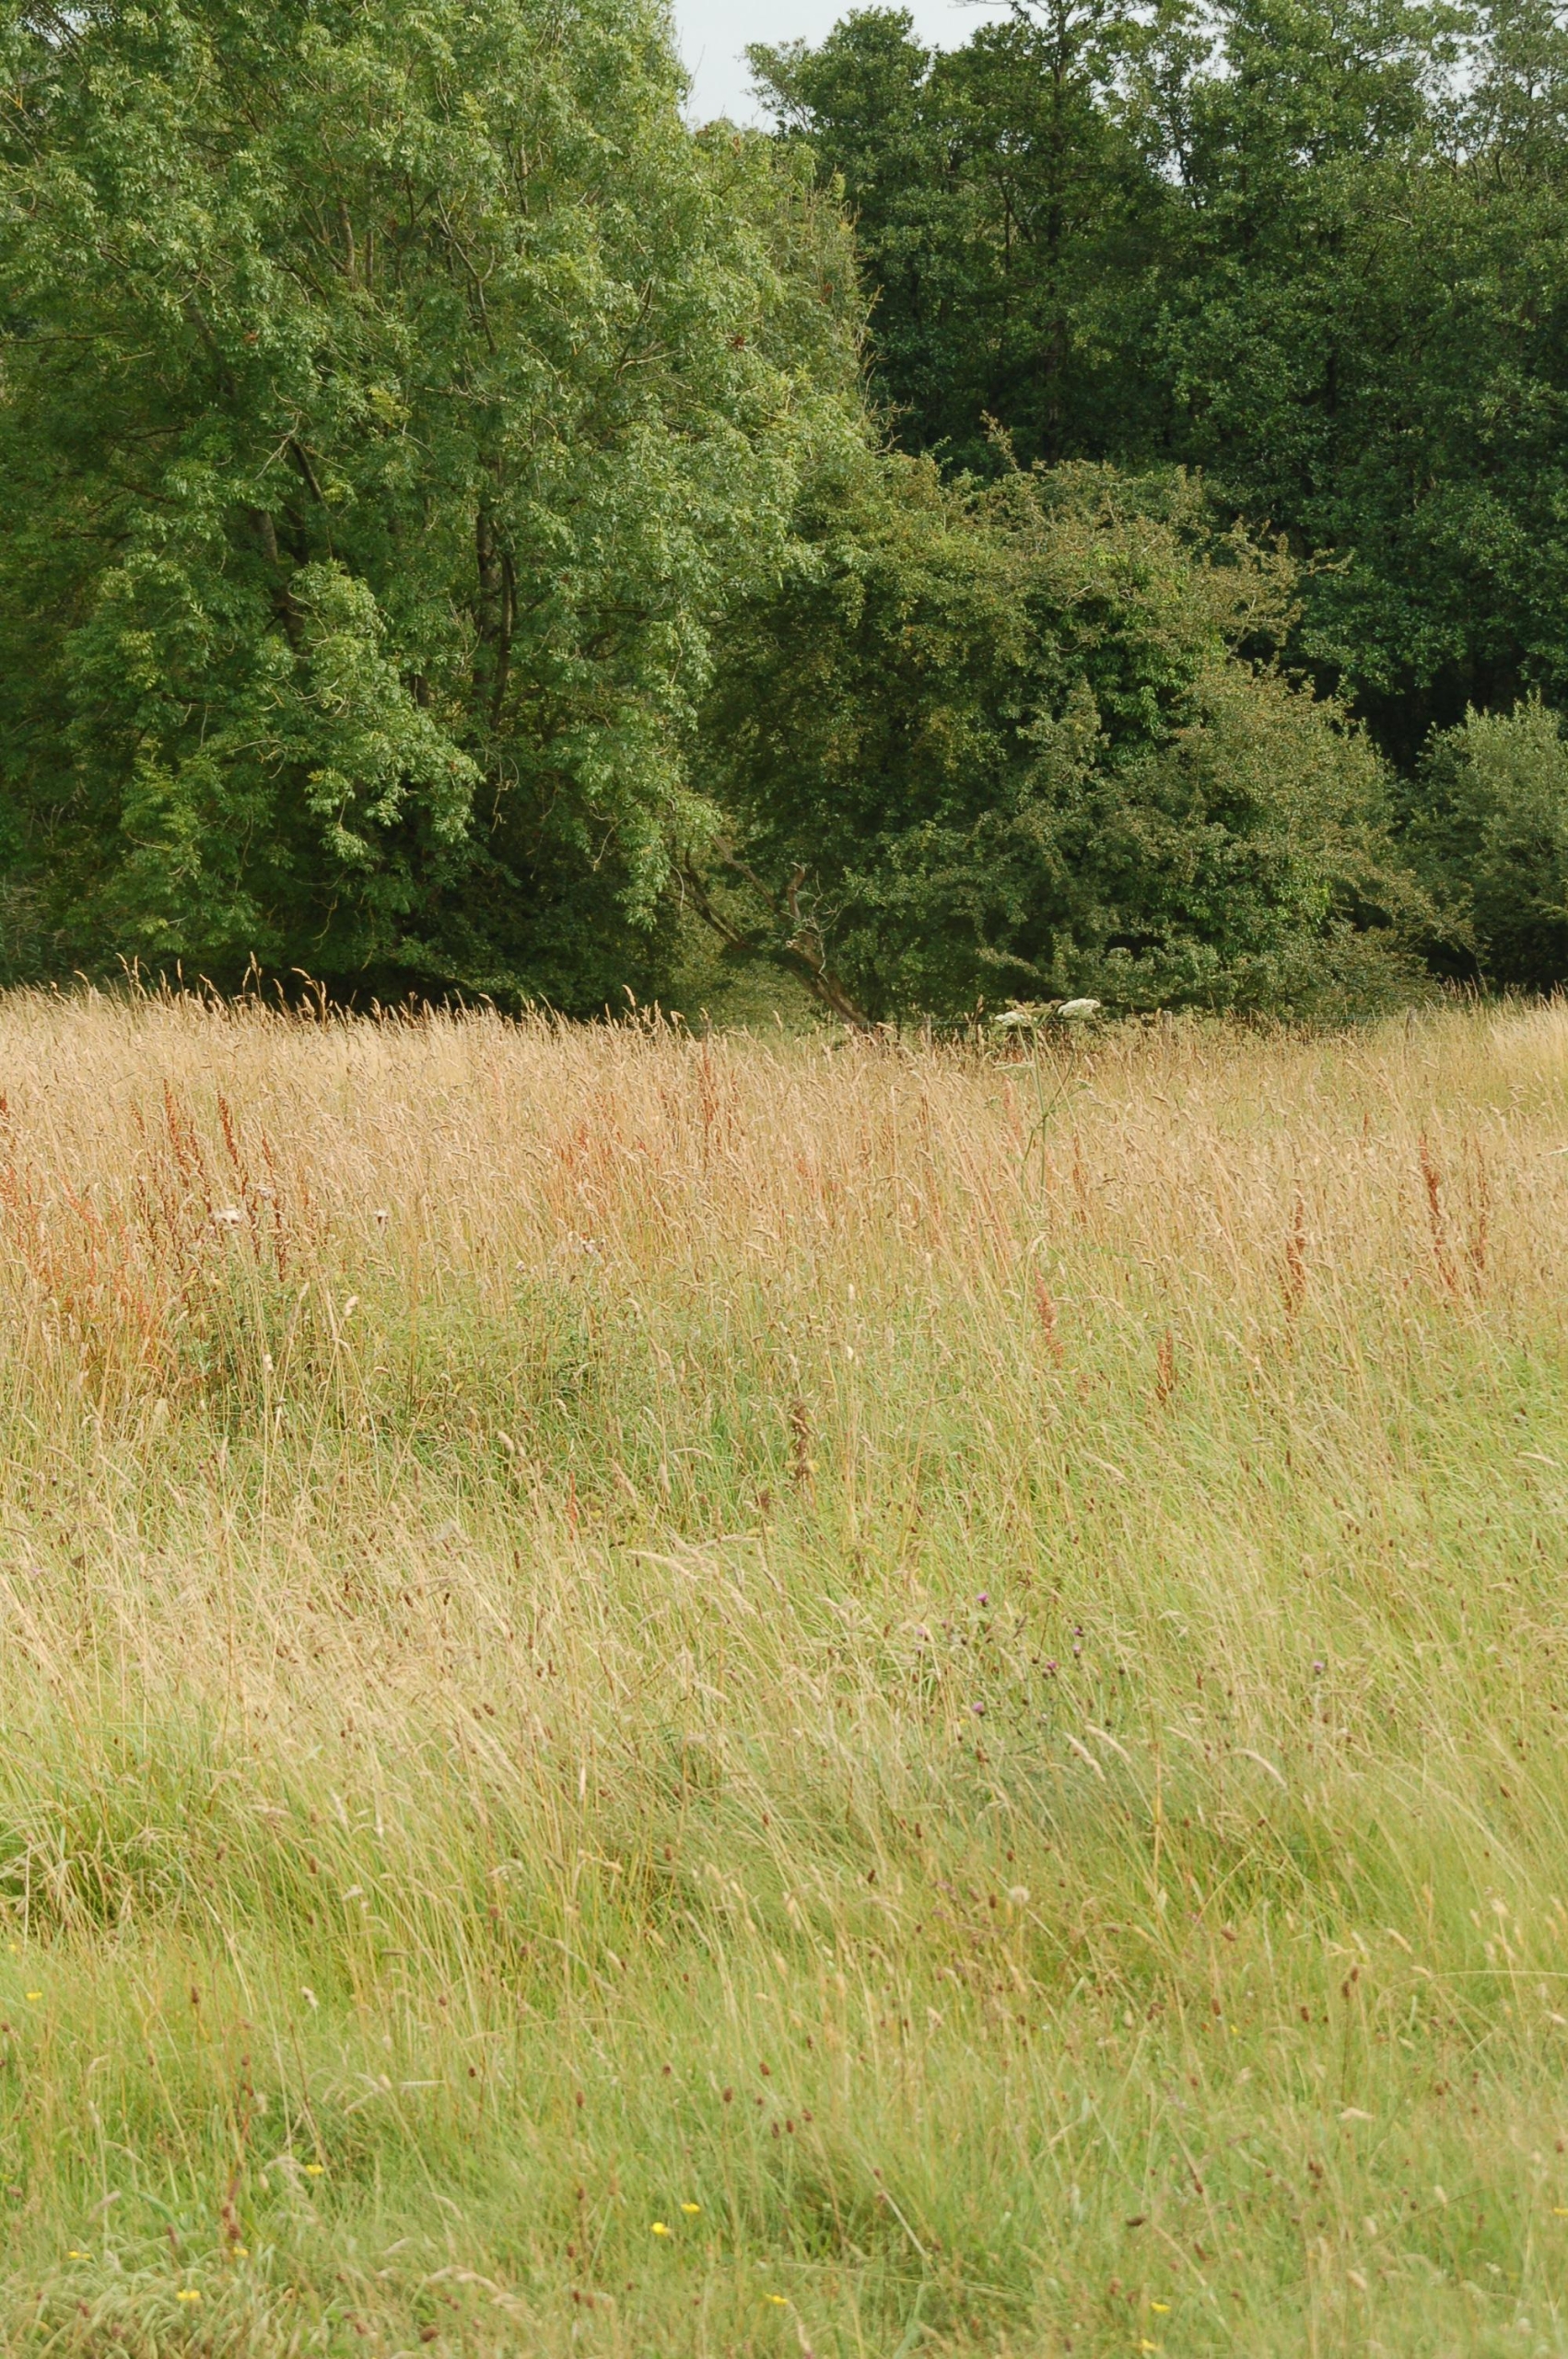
{"x": 390, "y": 401}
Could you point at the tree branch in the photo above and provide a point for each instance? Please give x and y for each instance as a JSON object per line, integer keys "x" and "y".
{"x": 801, "y": 954}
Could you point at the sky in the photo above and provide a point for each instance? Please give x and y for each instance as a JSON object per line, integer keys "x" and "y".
{"x": 714, "y": 32}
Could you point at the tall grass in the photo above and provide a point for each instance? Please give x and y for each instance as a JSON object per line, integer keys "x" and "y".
{"x": 677, "y": 1696}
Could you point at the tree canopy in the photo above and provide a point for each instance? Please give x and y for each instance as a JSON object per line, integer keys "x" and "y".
{"x": 1081, "y": 512}
{"x": 391, "y": 399}
{"x": 1026, "y": 740}
{"x": 1314, "y": 249}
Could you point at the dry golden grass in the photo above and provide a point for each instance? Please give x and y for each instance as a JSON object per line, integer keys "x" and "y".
{"x": 666, "y": 1696}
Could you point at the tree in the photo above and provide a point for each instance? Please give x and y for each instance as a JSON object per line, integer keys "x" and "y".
{"x": 1024, "y": 739}
{"x": 390, "y": 402}
{"x": 1003, "y": 214}
{"x": 1363, "y": 325}
{"x": 1489, "y": 829}
{"x": 1316, "y": 251}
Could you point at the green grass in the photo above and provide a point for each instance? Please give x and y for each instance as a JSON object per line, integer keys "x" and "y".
{"x": 721, "y": 1640}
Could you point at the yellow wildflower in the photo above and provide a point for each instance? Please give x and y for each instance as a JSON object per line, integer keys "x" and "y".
{"x": 659, "y": 2229}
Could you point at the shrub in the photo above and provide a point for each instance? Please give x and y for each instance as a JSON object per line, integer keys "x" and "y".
{"x": 1031, "y": 739}
{"x": 1489, "y": 833}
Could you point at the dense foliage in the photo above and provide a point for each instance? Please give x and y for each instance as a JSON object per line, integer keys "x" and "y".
{"x": 1489, "y": 827}
{"x": 1317, "y": 248}
{"x": 1007, "y": 742}
{"x": 392, "y": 398}
{"x": 457, "y": 536}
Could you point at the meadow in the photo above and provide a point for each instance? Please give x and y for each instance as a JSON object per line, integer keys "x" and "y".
{"x": 677, "y": 1696}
